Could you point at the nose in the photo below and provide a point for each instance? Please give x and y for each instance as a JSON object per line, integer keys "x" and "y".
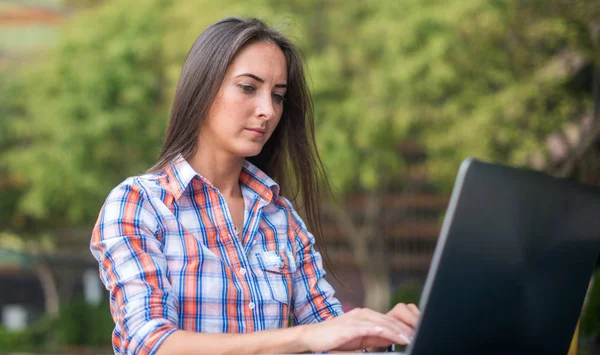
{"x": 265, "y": 108}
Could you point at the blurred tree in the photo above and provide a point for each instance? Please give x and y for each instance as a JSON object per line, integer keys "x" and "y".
{"x": 94, "y": 110}
{"x": 82, "y": 4}
{"x": 518, "y": 88}
{"x": 11, "y": 188}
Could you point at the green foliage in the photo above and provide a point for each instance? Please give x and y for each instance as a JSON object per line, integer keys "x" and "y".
{"x": 41, "y": 335}
{"x": 78, "y": 325}
{"x": 11, "y": 186}
{"x": 507, "y": 86}
{"x": 84, "y": 324}
{"x": 359, "y": 108}
{"x": 93, "y": 110}
{"x": 15, "y": 341}
{"x": 407, "y": 293}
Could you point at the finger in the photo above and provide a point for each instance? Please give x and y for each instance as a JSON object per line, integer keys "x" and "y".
{"x": 404, "y": 314}
{"x": 381, "y": 336}
{"x": 386, "y": 321}
{"x": 413, "y": 307}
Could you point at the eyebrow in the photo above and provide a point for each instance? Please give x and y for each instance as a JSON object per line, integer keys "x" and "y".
{"x": 261, "y": 80}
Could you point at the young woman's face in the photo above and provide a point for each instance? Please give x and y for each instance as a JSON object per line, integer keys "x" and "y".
{"x": 249, "y": 102}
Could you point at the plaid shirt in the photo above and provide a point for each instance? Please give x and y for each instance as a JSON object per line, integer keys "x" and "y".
{"x": 170, "y": 257}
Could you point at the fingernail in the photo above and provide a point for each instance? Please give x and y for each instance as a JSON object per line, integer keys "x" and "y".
{"x": 405, "y": 338}
{"x": 378, "y": 329}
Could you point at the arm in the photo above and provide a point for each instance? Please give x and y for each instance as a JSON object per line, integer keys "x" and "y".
{"x": 133, "y": 269}
{"x": 277, "y": 341}
{"x": 359, "y": 328}
{"x": 313, "y": 298}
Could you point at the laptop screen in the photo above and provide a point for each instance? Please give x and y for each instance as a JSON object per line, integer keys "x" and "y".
{"x": 511, "y": 266}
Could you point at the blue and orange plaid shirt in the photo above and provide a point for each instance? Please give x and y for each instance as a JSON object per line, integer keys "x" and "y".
{"x": 170, "y": 258}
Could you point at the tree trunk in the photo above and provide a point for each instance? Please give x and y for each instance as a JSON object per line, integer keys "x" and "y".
{"x": 376, "y": 282}
{"x": 67, "y": 283}
{"x": 369, "y": 250}
{"x": 49, "y": 287}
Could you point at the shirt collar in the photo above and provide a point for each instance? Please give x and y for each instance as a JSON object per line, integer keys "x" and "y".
{"x": 180, "y": 173}
{"x": 259, "y": 182}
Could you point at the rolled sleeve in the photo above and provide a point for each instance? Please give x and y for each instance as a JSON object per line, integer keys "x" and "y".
{"x": 313, "y": 297}
{"x": 125, "y": 241}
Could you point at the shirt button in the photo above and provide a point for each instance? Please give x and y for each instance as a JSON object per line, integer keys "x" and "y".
{"x": 243, "y": 271}
{"x": 251, "y": 305}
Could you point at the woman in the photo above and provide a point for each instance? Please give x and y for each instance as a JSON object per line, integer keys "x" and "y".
{"x": 203, "y": 254}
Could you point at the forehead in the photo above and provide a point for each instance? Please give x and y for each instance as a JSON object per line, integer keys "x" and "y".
{"x": 263, "y": 59}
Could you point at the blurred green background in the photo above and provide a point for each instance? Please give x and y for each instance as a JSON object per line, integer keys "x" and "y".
{"x": 404, "y": 90}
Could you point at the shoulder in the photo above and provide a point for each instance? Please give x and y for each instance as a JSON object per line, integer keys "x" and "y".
{"x": 294, "y": 219}
{"x": 130, "y": 207}
{"x": 141, "y": 188}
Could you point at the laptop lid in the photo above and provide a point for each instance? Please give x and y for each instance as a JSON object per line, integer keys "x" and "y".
{"x": 512, "y": 264}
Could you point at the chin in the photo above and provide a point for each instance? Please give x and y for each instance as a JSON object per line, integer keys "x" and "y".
{"x": 248, "y": 152}
{"x": 251, "y": 154}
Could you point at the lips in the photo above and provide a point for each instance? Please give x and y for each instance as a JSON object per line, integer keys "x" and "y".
{"x": 257, "y": 132}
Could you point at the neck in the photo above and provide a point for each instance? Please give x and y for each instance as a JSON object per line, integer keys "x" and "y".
{"x": 220, "y": 169}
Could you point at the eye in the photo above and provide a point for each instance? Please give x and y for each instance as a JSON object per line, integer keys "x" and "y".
{"x": 248, "y": 89}
{"x": 279, "y": 98}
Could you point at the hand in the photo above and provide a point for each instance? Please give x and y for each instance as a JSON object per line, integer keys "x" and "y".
{"x": 358, "y": 329}
{"x": 408, "y": 314}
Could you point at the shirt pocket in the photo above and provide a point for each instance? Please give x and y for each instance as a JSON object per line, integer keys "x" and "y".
{"x": 278, "y": 268}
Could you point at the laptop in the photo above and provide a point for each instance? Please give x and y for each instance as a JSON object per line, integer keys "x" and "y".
{"x": 512, "y": 264}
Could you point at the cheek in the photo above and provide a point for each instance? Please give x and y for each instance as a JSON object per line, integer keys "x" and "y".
{"x": 236, "y": 106}
{"x": 227, "y": 111}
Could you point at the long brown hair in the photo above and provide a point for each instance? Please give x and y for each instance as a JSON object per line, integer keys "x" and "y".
{"x": 290, "y": 156}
